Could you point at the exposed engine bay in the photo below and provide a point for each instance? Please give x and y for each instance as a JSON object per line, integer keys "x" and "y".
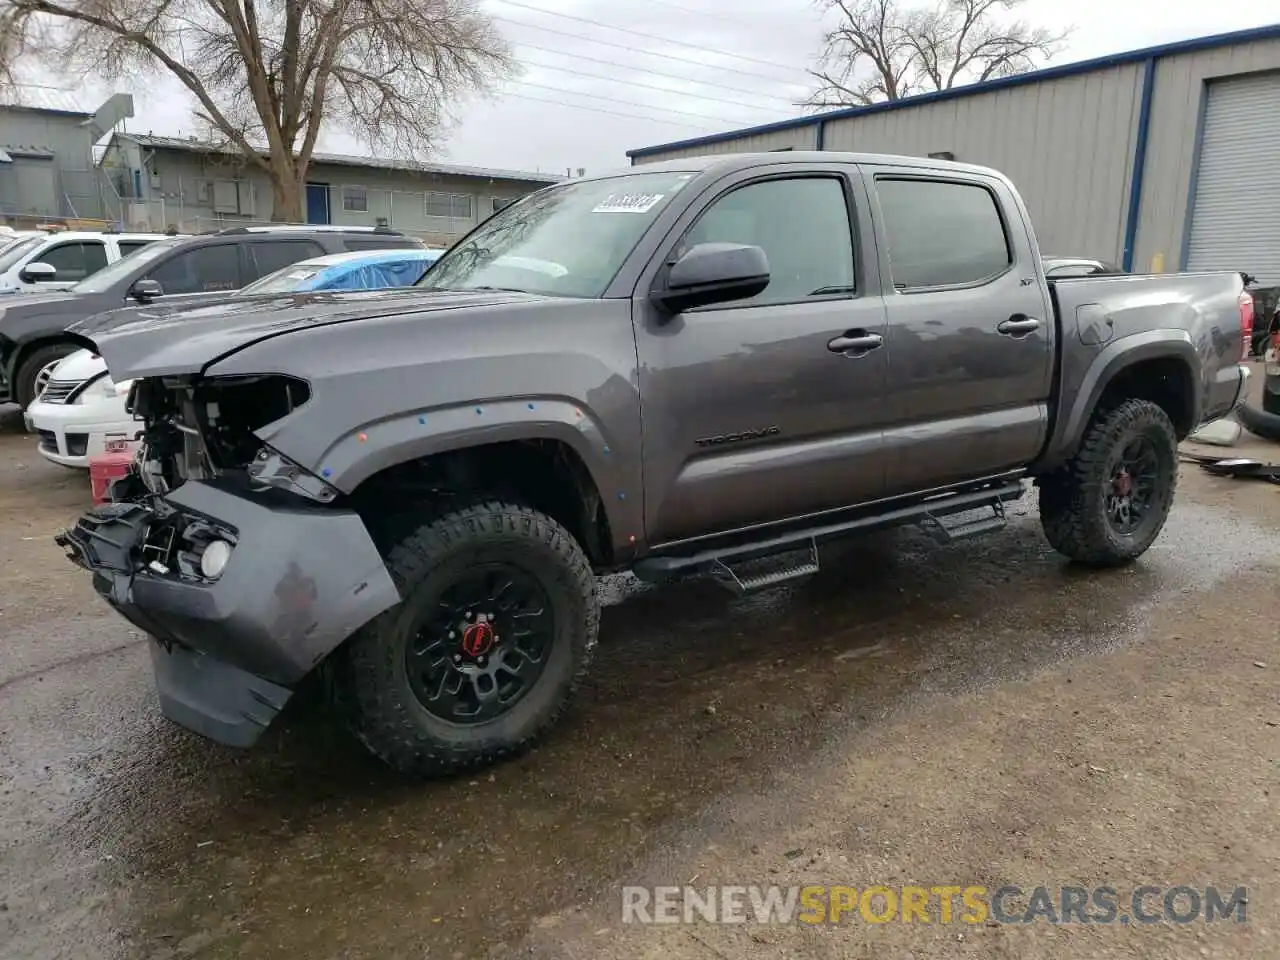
{"x": 195, "y": 429}
{"x": 203, "y": 428}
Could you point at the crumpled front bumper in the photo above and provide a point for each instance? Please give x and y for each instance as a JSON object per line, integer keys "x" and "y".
{"x": 300, "y": 580}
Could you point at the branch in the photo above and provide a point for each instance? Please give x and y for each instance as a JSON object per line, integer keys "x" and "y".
{"x": 188, "y": 78}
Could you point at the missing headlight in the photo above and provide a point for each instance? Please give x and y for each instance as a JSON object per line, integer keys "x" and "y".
{"x": 232, "y": 408}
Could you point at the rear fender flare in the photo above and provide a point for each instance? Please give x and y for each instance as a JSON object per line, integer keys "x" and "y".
{"x": 374, "y": 447}
{"x": 1110, "y": 362}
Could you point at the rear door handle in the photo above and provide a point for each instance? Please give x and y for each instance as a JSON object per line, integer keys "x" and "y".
{"x": 1018, "y": 325}
{"x": 856, "y": 343}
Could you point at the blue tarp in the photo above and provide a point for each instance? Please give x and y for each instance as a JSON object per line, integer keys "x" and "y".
{"x": 392, "y": 268}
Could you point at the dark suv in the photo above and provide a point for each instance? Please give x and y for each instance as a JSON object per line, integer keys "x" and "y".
{"x": 182, "y": 270}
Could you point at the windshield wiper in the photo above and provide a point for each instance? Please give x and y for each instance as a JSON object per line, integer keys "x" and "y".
{"x": 431, "y": 289}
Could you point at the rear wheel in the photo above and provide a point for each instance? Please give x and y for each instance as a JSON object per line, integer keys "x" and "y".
{"x": 1110, "y": 502}
{"x": 496, "y": 629}
{"x": 33, "y": 373}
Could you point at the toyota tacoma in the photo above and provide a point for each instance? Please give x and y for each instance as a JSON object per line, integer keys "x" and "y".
{"x": 699, "y": 367}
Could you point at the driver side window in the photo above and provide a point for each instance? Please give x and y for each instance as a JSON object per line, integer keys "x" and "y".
{"x": 202, "y": 270}
{"x": 801, "y": 223}
{"x": 75, "y": 261}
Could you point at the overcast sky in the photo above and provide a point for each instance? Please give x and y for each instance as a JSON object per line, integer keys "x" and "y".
{"x": 594, "y": 87}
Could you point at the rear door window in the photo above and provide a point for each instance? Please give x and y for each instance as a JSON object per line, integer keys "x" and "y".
{"x": 272, "y": 255}
{"x": 942, "y": 233}
{"x": 129, "y": 246}
{"x": 381, "y": 243}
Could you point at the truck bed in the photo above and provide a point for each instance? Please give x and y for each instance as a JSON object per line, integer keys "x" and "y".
{"x": 1103, "y": 317}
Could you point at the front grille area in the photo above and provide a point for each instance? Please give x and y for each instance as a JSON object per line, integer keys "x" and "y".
{"x": 77, "y": 444}
{"x": 60, "y": 391}
{"x": 48, "y": 441}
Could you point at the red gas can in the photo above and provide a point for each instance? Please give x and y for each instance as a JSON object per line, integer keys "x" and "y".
{"x": 107, "y": 467}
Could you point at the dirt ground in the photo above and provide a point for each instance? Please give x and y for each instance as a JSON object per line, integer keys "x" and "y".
{"x": 978, "y": 714}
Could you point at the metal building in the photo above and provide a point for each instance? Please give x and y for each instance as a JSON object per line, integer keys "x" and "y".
{"x": 47, "y": 170}
{"x": 159, "y": 182}
{"x": 1159, "y": 159}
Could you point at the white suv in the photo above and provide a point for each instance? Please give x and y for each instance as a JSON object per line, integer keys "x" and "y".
{"x": 50, "y": 262}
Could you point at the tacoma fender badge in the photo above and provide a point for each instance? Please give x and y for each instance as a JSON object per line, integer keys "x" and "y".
{"x": 738, "y": 437}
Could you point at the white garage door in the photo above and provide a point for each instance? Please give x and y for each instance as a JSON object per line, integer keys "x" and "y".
{"x": 1235, "y": 224}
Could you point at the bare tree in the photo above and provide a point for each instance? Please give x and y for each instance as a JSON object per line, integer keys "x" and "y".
{"x": 266, "y": 75}
{"x": 881, "y": 50}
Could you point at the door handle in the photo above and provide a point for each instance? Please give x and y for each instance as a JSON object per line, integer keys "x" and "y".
{"x": 1019, "y": 325}
{"x": 856, "y": 343}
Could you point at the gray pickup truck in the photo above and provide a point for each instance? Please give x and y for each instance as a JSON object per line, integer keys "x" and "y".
{"x": 701, "y": 367}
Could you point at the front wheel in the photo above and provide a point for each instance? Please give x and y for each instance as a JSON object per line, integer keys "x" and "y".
{"x": 1108, "y": 504}
{"x": 35, "y": 371}
{"x": 495, "y": 631}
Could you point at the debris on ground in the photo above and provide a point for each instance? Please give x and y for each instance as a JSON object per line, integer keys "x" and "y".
{"x": 1237, "y": 467}
{"x": 1219, "y": 433}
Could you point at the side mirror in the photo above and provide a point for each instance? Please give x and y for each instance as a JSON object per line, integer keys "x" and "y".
{"x": 38, "y": 272}
{"x": 144, "y": 291}
{"x": 713, "y": 273}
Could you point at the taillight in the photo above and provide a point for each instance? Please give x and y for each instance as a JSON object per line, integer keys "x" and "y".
{"x": 1246, "y": 324}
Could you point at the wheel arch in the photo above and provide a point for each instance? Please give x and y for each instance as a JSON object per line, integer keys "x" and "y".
{"x": 1159, "y": 366}
{"x": 22, "y": 351}
{"x": 544, "y": 471}
{"x": 593, "y": 440}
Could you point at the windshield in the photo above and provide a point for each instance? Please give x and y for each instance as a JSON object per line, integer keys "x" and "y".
{"x": 285, "y": 280}
{"x": 568, "y": 240}
{"x": 107, "y": 277}
{"x": 12, "y": 254}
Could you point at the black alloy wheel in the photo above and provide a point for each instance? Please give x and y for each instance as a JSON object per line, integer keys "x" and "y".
{"x": 482, "y": 645}
{"x": 1134, "y": 473}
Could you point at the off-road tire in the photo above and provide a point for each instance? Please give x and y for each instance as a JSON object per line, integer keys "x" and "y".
{"x": 1073, "y": 498}
{"x": 24, "y": 378}
{"x": 371, "y": 685}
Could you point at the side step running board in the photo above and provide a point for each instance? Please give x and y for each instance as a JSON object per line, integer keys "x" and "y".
{"x": 928, "y": 512}
{"x": 778, "y": 573}
{"x": 950, "y": 533}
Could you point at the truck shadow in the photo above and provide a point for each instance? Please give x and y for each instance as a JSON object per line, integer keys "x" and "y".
{"x": 696, "y": 694}
{"x": 11, "y": 419}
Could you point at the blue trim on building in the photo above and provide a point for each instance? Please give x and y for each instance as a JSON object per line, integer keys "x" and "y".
{"x": 1139, "y": 163}
{"x": 1270, "y": 32}
{"x": 1185, "y": 252}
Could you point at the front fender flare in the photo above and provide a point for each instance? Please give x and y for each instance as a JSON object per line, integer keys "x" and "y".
{"x": 363, "y": 452}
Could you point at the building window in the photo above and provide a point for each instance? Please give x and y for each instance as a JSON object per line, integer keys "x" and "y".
{"x": 453, "y": 205}
{"x": 499, "y": 202}
{"x": 226, "y": 198}
{"x": 355, "y": 199}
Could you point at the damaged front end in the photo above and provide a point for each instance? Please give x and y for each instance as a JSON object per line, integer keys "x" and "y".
{"x": 241, "y": 565}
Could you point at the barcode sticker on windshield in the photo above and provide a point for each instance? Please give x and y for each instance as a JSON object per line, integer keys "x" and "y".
{"x": 628, "y": 203}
